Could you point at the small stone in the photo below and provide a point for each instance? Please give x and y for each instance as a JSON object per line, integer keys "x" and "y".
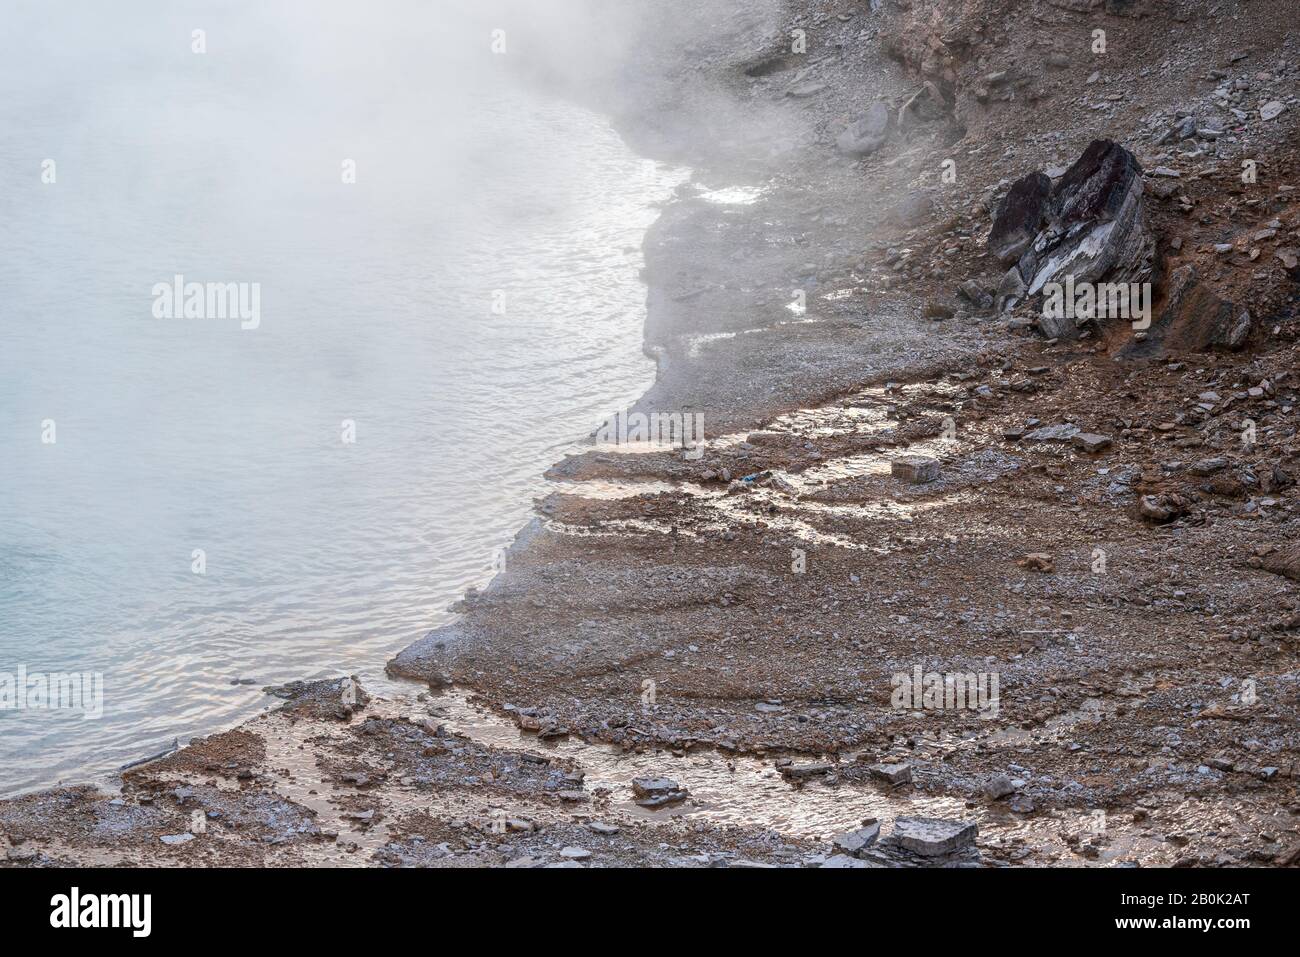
{"x": 177, "y": 838}
{"x": 1209, "y": 466}
{"x": 1038, "y": 562}
{"x": 1272, "y": 110}
{"x": 893, "y": 773}
{"x": 1054, "y": 433}
{"x": 916, "y": 469}
{"x": 656, "y": 792}
{"x": 575, "y": 853}
{"x": 999, "y": 788}
{"x": 801, "y": 772}
{"x": 1153, "y": 509}
{"x": 1091, "y": 442}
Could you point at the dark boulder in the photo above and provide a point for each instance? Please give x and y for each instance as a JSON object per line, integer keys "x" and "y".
{"x": 1020, "y": 216}
{"x": 1089, "y": 228}
{"x": 1096, "y": 230}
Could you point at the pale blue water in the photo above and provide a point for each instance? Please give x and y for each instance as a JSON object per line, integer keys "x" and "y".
{"x": 175, "y": 434}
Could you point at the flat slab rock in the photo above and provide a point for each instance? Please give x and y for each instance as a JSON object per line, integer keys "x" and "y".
{"x": 847, "y": 860}
{"x": 933, "y": 837}
{"x": 656, "y": 792}
{"x": 801, "y": 772}
{"x": 893, "y": 773}
{"x": 1091, "y": 442}
{"x": 853, "y": 842}
{"x": 1053, "y": 433}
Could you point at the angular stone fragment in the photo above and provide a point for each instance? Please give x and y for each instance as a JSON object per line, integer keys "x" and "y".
{"x": 975, "y": 294}
{"x": 999, "y": 787}
{"x": 1208, "y": 466}
{"x": 801, "y": 772}
{"x": 917, "y": 469}
{"x": 1183, "y": 129}
{"x": 656, "y": 792}
{"x": 1091, "y": 442}
{"x": 852, "y": 842}
{"x": 1272, "y": 110}
{"x": 893, "y": 773}
{"x": 1038, "y": 562}
{"x": 932, "y": 837}
{"x": 1053, "y": 433}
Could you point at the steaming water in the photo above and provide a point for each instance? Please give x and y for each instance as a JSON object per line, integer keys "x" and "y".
{"x": 173, "y": 435}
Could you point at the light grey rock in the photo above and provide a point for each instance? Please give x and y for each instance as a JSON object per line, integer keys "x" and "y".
{"x": 1183, "y": 129}
{"x": 1053, "y": 433}
{"x": 1011, "y": 290}
{"x": 844, "y": 860}
{"x": 866, "y": 134}
{"x": 933, "y": 837}
{"x": 999, "y": 787}
{"x": 1272, "y": 110}
{"x": 1091, "y": 442}
{"x": 893, "y": 773}
{"x": 852, "y": 842}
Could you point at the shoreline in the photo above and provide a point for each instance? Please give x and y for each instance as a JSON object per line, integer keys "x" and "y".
{"x": 1113, "y": 699}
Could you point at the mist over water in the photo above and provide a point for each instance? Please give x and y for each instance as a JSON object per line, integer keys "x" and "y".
{"x": 376, "y": 306}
